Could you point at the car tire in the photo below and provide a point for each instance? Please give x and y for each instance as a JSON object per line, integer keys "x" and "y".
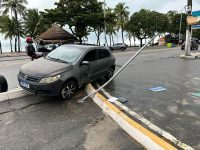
{"x": 122, "y": 49}
{"x": 111, "y": 48}
{"x": 110, "y": 73}
{"x": 3, "y": 84}
{"x": 68, "y": 90}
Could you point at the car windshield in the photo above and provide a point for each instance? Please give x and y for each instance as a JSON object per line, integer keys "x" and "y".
{"x": 65, "y": 54}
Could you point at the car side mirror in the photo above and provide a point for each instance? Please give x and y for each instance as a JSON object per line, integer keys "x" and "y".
{"x": 85, "y": 63}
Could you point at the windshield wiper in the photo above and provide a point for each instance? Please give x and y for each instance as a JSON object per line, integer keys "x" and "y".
{"x": 57, "y": 59}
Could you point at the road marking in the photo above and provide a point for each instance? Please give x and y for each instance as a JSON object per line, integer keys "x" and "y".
{"x": 148, "y": 139}
{"x": 153, "y": 127}
{"x": 160, "y": 50}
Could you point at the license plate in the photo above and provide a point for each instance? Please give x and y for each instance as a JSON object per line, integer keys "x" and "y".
{"x": 24, "y": 84}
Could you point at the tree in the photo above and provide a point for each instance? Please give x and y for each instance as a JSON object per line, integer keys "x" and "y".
{"x": 79, "y": 15}
{"x": 34, "y": 23}
{"x": 139, "y": 25}
{"x": 18, "y": 8}
{"x": 122, "y": 14}
{"x": 8, "y": 28}
{"x": 196, "y": 34}
{"x": 111, "y": 24}
{"x": 174, "y": 22}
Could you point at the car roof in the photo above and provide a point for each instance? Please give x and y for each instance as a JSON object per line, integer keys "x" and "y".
{"x": 84, "y": 47}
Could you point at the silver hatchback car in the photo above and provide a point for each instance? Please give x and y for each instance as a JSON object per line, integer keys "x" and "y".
{"x": 66, "y": 69}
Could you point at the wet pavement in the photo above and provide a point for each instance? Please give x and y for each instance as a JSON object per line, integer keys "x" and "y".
{"x": 47, "y": 123}
{"x": 174, "y": 110}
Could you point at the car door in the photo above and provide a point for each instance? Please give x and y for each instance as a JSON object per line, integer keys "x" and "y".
{"x": 103, "y": 62}
{"x": 88, "y": 72}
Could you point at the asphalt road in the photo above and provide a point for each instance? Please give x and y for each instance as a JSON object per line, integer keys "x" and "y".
{"x": 9, "y": 67}
{"x": 50, "y": 124}
{"x": 175, "y": 110}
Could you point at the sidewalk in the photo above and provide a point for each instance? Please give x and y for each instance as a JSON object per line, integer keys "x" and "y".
{"x": 14, "y": 54}
{"x": 194, "y": 55}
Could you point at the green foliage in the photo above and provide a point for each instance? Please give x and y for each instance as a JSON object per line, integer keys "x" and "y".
{"x": 79, "y": 15}
{"x": 146, "y": 23}
{"x": 8, "y": 27}
{"x": 196, "y": 34}
{"x": 33, "y": 23}
{"x": 16, "y": 7}
{"x": 174, "y": 22}
{"x": 122, "y": 14}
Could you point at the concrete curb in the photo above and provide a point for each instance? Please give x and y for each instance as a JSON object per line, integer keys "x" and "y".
{"x": 146, "y": 138}
{"x": 193, "y": 56}
{"x": 16, "y": 93}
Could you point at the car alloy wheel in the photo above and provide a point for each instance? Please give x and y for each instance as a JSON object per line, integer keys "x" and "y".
{"x": 68, "y": 90}
{"x": 110, "y": 73}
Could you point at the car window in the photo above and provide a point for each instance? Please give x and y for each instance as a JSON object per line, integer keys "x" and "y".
{"x": 65, "y": 53}
{"x": 103, "y": 53}
{"x": 90, "y": 56}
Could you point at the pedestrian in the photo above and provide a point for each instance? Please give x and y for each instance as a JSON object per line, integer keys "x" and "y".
{"x": 0, "y": 47}
{"x": 30, "y": 49}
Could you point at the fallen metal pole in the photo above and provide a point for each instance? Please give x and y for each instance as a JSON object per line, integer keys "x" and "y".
{"x": 122, "y": 68}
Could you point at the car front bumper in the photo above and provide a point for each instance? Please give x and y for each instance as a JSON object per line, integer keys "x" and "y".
{"x": 51, "y": 89}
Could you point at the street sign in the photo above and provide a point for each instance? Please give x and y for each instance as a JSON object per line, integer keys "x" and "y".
{"x": 196, "y": 13}
{"x": 192, "y": 20}
{"x": 196, "y": 26}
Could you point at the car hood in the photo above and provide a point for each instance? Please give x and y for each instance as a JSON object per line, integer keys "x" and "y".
{"x": 43, "y": 67}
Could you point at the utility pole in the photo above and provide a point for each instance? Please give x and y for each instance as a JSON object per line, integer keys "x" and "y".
{"x": 189, "y": 30}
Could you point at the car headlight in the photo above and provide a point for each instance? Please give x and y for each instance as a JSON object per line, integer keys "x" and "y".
{"x": 50, "y": 79}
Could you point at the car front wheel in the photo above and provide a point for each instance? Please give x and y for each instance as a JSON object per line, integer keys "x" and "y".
{"x": 68, "y": 90}
{"x": 110, "y": 73}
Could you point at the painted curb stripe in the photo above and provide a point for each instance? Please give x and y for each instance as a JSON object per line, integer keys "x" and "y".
{"x": 135, "y": 130}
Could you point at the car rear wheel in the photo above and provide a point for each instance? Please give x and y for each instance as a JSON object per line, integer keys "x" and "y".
{"x": 68, "y": 90}
{"x": 122, "y": 49}
{"x": 3, "y": 84}
{"x": 110, "y": 73}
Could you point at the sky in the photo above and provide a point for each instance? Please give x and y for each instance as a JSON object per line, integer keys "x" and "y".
{"x": 134, "y": 5}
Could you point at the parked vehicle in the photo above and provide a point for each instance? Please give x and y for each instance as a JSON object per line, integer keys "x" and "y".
{"x": 66, "y": 69}
{"x": 194, "y": 45}
{"x": 3, "y": 84}
{"x": 119, "y": 46}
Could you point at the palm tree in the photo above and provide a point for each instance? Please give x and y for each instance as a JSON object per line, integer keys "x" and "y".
{"x": 8, "y": 28}
{"x": 129, "y": 36}
{"x": 110, "y": 24}
{"x": 33, "y": 23}
{"x": 18, "y": 8}
{"x": 122, "y": 14}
